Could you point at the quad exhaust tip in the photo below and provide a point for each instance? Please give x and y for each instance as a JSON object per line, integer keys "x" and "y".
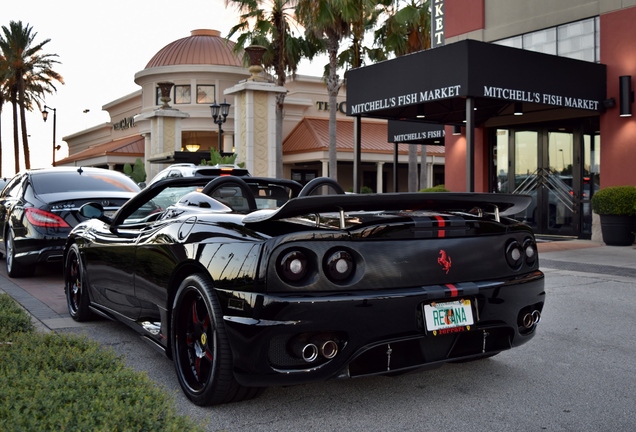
{"x": 310, "y": 353}
{"x": 531, "y": 319}
{"x": 310, "y": 350}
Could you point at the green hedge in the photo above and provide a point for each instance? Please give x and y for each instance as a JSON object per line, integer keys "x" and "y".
{"x": 65, "y": 382}
{"x": 438, "y": 188}
{"x": 13, "y": 319}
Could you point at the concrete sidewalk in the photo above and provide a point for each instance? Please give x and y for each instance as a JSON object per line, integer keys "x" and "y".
{"x": 588, "y": 257}
{"x": 43, "y": 295}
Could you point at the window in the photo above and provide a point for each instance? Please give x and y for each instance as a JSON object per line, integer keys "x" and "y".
{"x": 182, "y": 94}
{"x": 205, "y": 94}
{"x": 578, "y": 40}
{"x": 541, "y": 41}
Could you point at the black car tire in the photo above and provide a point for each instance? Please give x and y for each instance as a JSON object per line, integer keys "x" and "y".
{"x": 14, "y": 268}
{"x": 200, "y": 347}
{"x": 75, "y": 286}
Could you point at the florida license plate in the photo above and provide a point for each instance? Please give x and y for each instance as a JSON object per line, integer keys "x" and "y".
{"x": 448, "y": 317}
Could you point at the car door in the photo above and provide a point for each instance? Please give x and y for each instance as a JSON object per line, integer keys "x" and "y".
{"x": 11, "y": 197}
{"x": 109, "y": 261}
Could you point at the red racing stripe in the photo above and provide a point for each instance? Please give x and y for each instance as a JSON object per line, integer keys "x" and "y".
{"x": 453, "y": 289}
{"x": 441, "y": 223}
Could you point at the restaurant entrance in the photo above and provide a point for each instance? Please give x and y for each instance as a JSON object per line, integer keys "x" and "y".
{"x": 558, "y": 166}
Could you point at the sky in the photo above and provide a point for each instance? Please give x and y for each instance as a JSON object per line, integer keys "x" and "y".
{"x": 100, "y": 47}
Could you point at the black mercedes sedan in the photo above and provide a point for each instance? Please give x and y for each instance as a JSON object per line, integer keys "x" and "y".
{"x": 244, "y": 290}
{"x": 39, "y": 207}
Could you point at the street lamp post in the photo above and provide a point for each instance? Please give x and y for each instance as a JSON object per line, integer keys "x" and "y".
{"x": 45, "y": 115}
{"x": 219, "y": 114}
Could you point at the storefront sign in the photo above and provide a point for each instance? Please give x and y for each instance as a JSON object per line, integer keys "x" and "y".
{"x": 407, "y": 99}
{"x": 416, "y": 136}
{"x": 437, "y": 25}
{"x": 324, "y": 106}
{"x": 125, "y": 123}
{"x": 408, "y": 132}
{"x": 540, "y": 98}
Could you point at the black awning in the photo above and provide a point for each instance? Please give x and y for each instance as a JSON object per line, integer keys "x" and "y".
{"x": 435, "y": 84}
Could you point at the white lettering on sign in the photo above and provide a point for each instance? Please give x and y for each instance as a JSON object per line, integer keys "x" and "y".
{"x": 414, "y": 136}
{"x": 374, "y": 105}
{"x": 440, "y": 93}
{"x": 511, "y": 94}
{"x": 437, "y": 27}
{"x": 580, "y": 103}
{"x": 543, "y": 98}
{"x": 407, "y": 99}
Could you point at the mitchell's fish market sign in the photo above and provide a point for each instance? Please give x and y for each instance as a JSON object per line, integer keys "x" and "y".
{"x": 452, "y": 91}
{"x": 407, "y": 99}
{"x": 417, "y": 136}
{"x": 518, "y": 95}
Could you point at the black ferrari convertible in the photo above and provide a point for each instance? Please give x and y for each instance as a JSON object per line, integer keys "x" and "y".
{"x": 250, "y": 282}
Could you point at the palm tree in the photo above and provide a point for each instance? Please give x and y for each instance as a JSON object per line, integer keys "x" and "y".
{"x": 29, "y": 76}
{"x": 3, "y": 97}
{"x": 333, "y": 22}
{"x": 323, "y": 21}
{"x": 405, "y": 31}
{"x": 269, "y": 23}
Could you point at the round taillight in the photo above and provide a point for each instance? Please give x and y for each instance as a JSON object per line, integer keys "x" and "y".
{"x": 293, "y": 266}
{"x": 339, "y": 266}
{"x": 514, "y": 253}
{"x": 530, "y": 249}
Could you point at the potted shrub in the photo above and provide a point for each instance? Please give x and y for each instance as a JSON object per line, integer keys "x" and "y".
{"x": 616, "y": 206}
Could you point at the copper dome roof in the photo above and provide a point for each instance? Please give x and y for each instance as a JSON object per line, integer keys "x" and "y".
{"x": 201, "y": 47}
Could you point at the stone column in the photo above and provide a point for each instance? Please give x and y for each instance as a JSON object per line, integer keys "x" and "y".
{"x": 165, "y": 131}
{"x": 380, "y": 185}
{"x": 255, "y": 125}
{"x": 325, "y": 167}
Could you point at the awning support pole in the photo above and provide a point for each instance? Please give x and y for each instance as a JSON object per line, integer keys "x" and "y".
{"x": 395, "y": 168}
{"x": 357, "y": 151}
{"x": 470, "y": 144}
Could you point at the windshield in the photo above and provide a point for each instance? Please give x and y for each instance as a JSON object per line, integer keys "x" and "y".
{"x": 72, "y": 181}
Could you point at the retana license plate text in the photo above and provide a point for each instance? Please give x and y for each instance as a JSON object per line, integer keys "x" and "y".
{"x": 448, "y": 317}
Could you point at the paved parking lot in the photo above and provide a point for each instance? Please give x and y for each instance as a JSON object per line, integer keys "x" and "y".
{"x": 577, "y": 374}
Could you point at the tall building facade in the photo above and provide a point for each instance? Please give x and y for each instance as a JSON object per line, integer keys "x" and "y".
{"x": 537, "y": 98}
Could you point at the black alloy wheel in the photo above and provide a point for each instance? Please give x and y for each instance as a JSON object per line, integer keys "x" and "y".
{"x": 14, "y": 268}
{"x": 74, "y": 286}
{"x": 200, "y": 347}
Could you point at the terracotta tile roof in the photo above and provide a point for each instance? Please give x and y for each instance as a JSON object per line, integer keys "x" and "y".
{"x": 201, "y": 47}
{"x": 132, "y": 146}
{"x": 312, "y": 134}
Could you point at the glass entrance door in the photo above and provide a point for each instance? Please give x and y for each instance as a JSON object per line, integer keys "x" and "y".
{"x": 541, "y": 165}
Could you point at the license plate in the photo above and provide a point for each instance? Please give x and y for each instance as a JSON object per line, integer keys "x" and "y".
{"x": 448, "y": 317}
{"x": 110, "y": 213}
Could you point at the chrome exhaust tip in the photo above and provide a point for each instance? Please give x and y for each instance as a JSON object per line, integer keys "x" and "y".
{"x": 309, "y": 353}
{"x": 536, "y": 317}
{"x": 528, "y": 320}
{"x": 328, "y": 349}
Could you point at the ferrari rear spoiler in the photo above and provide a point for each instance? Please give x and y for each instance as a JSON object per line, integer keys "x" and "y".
{"x": 496, "y": 204}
